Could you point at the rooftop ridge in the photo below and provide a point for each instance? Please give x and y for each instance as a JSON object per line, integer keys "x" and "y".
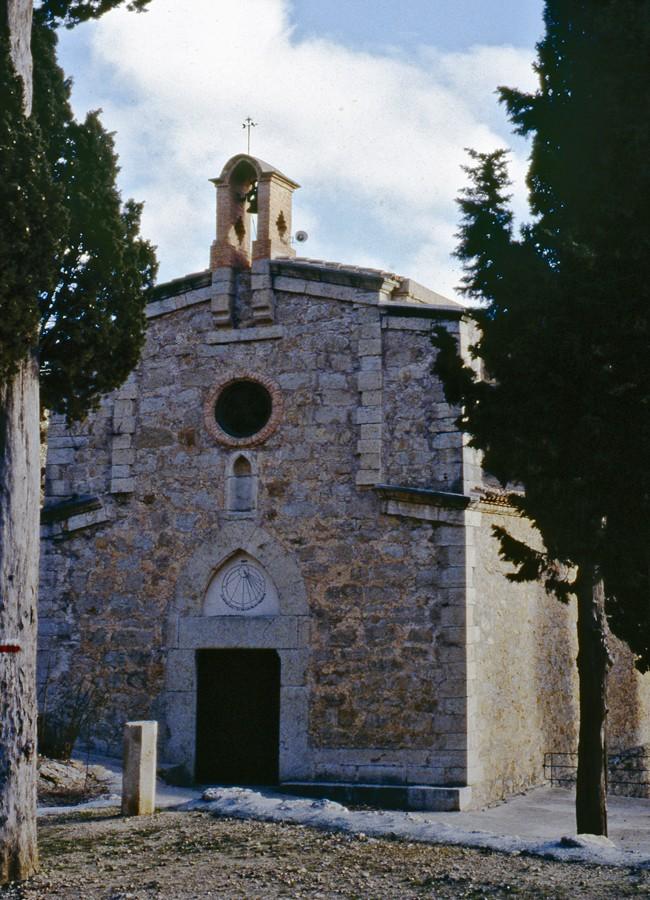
{"x": 403, "y": 292}
{"x": 407, "y": 290}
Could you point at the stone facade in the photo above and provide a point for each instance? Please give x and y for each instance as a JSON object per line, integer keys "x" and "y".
{"x": 407, "y": 659}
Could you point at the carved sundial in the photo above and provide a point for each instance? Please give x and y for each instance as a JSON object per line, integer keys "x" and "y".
{"x": 243, "y": 587}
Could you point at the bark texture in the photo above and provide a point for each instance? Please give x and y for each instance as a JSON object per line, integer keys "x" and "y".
{"x": 593, "y": 665}
{"x": 19, "y": 551}
{"x": 18, "y": 16}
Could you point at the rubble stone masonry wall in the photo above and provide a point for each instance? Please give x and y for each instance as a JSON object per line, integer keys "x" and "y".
{"x": 406, "y": 656}
{"x": 382, "y": 590}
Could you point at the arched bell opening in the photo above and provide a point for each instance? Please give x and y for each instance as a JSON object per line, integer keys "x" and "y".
{"x": 248, "y": 187}
{"x": 243, "y": 192}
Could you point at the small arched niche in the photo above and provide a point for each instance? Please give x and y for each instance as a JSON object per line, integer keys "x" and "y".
{"x": 241, "y": 485}
{"x": 242, "y": 468}
{"x": 241, "y": 587}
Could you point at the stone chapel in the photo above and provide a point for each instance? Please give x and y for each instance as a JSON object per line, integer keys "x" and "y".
{"x": 274, "y": 540}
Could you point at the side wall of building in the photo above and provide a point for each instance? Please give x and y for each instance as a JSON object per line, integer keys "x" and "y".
{"x": 628, "y": 723}
{"x": 524, "y": 700}
{"x": 524, "y": 697}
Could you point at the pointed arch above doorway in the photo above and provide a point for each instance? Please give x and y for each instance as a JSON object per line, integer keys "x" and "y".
{"x": 241, "y": 587}
{"x": 196, "y": 623}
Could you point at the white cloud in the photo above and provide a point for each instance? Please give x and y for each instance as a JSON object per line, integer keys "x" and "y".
{"x": 377, "y": 142}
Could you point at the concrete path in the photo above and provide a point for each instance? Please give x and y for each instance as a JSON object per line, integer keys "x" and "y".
{"x": 546, "y": 813}
{"x": 540, "y": 823}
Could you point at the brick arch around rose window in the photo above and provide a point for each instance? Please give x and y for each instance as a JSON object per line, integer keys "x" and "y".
{"x": 190, "y": 630}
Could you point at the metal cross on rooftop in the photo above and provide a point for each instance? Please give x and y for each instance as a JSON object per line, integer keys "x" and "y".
{"x": 248, "y": 123}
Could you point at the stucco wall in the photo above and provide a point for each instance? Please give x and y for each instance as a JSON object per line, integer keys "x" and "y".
{"x": 525, "y": 674}
{"x": 628, "y": 701}
{"x": 525, "y": 691}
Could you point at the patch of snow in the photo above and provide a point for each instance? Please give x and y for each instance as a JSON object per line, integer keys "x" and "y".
{"x": 99, "y": 803}
{"x": 586, "y": 840}
{"x": 546, "y": 808}
{"x": 167, "y": 797}
{"x": 244, "y": 803}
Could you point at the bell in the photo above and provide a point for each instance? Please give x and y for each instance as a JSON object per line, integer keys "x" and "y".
{"x": 251, "y": 196}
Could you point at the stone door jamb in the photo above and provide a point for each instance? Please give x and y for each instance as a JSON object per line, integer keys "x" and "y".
{"x": 188, "y": 630}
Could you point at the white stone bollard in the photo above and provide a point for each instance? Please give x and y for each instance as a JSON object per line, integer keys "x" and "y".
{"x": 139, "y": 775}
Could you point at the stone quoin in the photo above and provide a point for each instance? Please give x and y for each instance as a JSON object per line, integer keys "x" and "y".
{"x": 274, "y": 540}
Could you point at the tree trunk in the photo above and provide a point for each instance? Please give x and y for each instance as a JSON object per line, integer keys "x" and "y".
{"x": 16, "y": 15}
{"x": 593, "y": 665}
{"x": 19, "y": 551}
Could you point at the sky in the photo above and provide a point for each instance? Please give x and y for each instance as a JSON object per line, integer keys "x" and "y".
{"x": 367, "y": 104}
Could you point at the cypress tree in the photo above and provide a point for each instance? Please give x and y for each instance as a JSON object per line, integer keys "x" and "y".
{"x": 92, "y": 319}
{"x": 73, "y": 279}
{"x": 27, "y": 247}
{"x": 31, "y": 224}
{"x": 72, "y": 12}
{"x": 564, "y": 339}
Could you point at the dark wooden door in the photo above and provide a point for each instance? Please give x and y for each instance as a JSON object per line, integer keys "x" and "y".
{"x": 237, "y": 716}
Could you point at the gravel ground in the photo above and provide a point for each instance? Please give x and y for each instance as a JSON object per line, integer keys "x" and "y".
{"x": 96, "y": 855}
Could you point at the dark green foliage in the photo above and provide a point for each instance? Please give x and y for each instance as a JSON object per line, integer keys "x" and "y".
{"x": 31, "y": 222}
{"x": 564, "y": 325}
{"x": 92, "y": 322}
{"x": 73, "y": 276}
{"x": 72, "y": 12}
{"x": 73, "y": 269}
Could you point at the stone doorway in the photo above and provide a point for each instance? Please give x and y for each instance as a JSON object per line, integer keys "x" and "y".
{"x": 237, "y": 716}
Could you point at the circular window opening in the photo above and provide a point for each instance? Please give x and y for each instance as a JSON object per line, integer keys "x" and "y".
{"x": 243, "y": 408}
